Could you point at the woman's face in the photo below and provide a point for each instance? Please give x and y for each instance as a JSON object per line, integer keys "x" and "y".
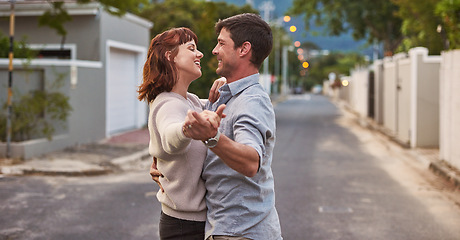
{"x": 187, "y": 61}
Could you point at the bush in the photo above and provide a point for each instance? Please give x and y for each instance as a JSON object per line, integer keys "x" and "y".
{"x": 37, "y": 113}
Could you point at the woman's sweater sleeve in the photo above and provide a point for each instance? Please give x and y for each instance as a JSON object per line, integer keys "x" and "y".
{"x": 169, "y": 120}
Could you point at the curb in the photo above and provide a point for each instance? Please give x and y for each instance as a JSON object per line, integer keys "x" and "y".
{"x": 444, "y": 170}
{"x": 62, "y": 167}
{"x": 130, "y": 158}
{"x": 93, "y": 172}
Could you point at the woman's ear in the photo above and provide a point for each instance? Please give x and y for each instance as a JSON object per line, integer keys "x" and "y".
{"x": 168, "y": 55}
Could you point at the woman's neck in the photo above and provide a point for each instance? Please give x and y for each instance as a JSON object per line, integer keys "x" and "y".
{"x": 180, "y": 88}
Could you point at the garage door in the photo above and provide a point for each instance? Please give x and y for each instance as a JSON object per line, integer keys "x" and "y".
{"x": 121, "y": 91}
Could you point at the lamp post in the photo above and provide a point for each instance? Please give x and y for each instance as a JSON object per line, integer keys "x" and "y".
{"x": 285, "y": 86}
{"x": 278, "y": 38}
{"x": 284, "y": 55}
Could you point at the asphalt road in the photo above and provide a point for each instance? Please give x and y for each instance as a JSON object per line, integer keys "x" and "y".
{"x": 338, "y": 180}
{"x": 333, "y": 178}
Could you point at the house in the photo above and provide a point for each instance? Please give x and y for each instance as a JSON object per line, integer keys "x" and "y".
{"x": 100, "y": 63}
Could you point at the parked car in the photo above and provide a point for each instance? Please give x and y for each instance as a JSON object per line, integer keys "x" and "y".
{"x": 298, "y": 90}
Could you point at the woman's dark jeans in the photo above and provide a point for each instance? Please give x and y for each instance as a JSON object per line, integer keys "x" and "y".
{"x": 172, "y": 228}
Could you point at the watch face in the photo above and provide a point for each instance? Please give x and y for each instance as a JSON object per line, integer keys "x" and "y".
{"x": 211, "y": 142}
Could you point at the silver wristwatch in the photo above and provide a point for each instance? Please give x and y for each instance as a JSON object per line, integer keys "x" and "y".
{"x": 212, "y": 142}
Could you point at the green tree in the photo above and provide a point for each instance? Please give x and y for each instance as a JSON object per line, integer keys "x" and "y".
{"x": 200, "y": 17}
{"x": 420, "y": 25}
{"x": 365, "y": 19}
{"x": 449, "y": 12}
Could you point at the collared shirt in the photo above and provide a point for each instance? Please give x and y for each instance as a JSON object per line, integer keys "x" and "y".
{"x": 239, "y": 205}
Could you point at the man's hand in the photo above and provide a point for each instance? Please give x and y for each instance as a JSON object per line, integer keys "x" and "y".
{"x": 214, "y": 92}
{"x": 204, "y": 125}
{"x": 155, "y": 173}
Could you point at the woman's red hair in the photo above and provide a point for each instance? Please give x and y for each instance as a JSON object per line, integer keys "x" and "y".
{"x": 160, "y": 74}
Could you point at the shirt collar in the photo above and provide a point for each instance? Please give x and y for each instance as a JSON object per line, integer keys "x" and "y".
{"x": 229, "y": 90}
{"x": 239, "y": 85}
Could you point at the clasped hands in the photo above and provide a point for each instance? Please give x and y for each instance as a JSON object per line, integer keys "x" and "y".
{"x": 204, "y": 125}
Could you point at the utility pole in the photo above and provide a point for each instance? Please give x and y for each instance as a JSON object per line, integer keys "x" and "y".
{"x": 266, "y": 8}
{"x": 284, "y": 87}
{"x": 277, "y": 62}
{"x": 10, "y": 83}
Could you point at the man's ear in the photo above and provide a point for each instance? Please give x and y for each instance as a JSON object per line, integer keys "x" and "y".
{"x": 245, "y": 48}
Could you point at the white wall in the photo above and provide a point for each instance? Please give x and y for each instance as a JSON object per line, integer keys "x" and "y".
{"x": 450, "y": 108}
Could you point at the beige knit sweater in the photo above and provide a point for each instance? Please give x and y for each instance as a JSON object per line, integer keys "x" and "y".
{"x": 180, "y": 159}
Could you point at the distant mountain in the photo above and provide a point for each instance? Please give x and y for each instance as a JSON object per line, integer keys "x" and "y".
{"x": 340, "y": 43}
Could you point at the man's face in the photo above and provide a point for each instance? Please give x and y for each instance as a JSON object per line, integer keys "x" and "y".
{"x": 227, "y": 57}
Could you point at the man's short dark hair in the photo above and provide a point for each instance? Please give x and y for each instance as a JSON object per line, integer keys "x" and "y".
{"x": 252, "y": 28}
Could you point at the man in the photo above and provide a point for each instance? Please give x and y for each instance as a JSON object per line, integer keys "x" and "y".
{"x": 237, "y": 170}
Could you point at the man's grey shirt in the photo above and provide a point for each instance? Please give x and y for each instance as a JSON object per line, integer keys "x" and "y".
{"x": 239, "y": 205}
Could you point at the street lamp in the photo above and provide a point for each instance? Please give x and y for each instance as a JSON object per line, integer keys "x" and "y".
{"x": 284, "y": 51}
{"x": 305, "y": 64}
{"x": 287, "y": 18}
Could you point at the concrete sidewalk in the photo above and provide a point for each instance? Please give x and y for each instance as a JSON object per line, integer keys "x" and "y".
{"x": 97, "y": 158}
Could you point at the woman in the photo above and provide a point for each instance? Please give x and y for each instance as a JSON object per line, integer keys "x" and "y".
{"x": 173, "y": 62}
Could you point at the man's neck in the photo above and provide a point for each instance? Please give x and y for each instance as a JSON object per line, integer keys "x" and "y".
{"x": 241, "y": 75}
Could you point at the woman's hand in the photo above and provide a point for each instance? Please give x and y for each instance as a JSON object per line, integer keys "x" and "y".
{"x": 202, "y": 126}
{"x": 214, "y": 92}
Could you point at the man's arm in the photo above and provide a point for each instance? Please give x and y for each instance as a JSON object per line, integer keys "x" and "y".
{"x": 241, "y": 158}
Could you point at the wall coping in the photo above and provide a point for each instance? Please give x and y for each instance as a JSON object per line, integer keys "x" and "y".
{"x": 52, "y": 62}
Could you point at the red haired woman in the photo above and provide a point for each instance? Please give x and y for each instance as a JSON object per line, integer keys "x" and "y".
{"x": 173, "y": 62}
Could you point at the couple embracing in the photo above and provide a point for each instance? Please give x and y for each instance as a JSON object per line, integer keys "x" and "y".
{"x": 212, "y": 158}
